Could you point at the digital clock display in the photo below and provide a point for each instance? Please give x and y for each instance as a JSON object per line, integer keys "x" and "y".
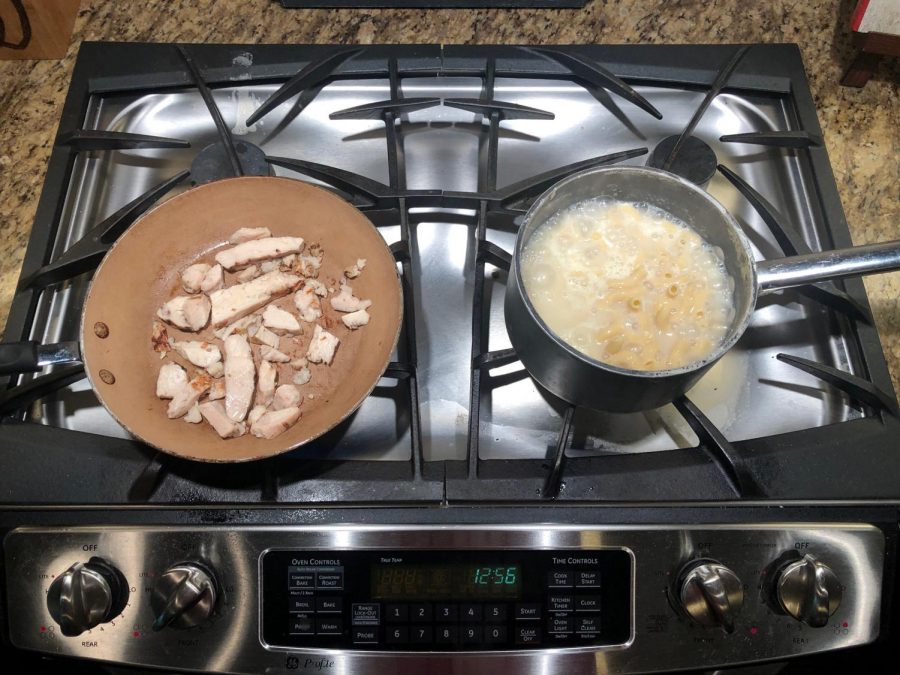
{"x": 446, "y": 582}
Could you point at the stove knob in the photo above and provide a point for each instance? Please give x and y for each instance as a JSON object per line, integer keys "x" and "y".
{"x": 809, "y": 591}
{"x": 184, "y": 596}
{"x": 710, "y": 593}
{"x": 85, "y": 595}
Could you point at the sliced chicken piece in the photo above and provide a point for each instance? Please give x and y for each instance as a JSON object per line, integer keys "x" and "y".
{"x": 345, "y": 301}
{"x": 247, "y": 274}
{"x": 288, "y": 260}
{"x": 217, "y": 390}
{"x": 193, "y": 415}
{"x": 192, "y": 277}
{"x": 353, "y": 271}
{"x": 302, "y": 376}
{"x": 188, "y": 395}
{"x": 248, "y": 234}
{"x": 267, "y": 353}
{"x": 201, "y": 353}
{"x": 241, "y": 326}
{"x": 214, "y": 413}
{"x": 286, "y": 396}
{"x": 308, "y": 304}
{"x": 213, "y": 280}
{"x": 281, "y": 320}
{"x": 270, "y": 265}
{"x": 322, "y": 347}
{"x": 275, "y": 422}
{"x": 255, "y": 413}
{"x": 159, "y": 337}
{"x": 216, "y": 369}
{"x": 308, "y": 265}
{"x": 239, "y": 381}
{"x": 186, "y": 312}
{"x": 257, "y": 250}
{"x": 317, "y": 286}
{"x": 230, "y": 304}
{"x": 263, "y": 336}
{"x": 265, "y": 385}
{"x": 356, "y": 319}
{"x": 172, "y": 378}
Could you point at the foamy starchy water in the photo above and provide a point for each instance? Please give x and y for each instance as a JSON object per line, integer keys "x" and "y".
{"x": 628, "y": 284}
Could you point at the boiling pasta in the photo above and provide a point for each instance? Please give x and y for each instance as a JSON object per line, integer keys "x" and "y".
{"x": 628, "y": 285}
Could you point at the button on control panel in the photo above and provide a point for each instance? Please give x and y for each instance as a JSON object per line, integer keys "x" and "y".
{"x": 446, "y": 600}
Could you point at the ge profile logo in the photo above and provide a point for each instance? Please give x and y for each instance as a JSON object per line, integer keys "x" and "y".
{"x": 292, "y": 663}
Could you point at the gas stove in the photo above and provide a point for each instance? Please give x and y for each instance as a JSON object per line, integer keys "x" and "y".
{"x": 463, "y": 514}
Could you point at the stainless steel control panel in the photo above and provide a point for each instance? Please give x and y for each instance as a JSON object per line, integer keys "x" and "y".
{"x": 211, "y": 599}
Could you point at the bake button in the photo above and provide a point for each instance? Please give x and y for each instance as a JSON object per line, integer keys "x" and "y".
{"x": 332, "y": 581}
{"x": 528, "y": 634}
{"x": 588, "y": 624}
{"x": 587, "y": 579}
{"x": 559, "y": 578}
{"x": 446, "y": 613}
{"x": 446, "y": 635}
{"x": 396, "y": 613}
{"x": 301, "y": 603}
{"x": 365, "y": 636}
{"x": 397, "y": 635}
{"x": 329, "y": 625}
{"x": 527, "y": 610}
{"x": 470, "y": 612}
{"x": 587, "y": 603}
{"x": 560, "y": 624}
{"x": 420, "y": 612}
{"x": 329, "y": 605}
{"x": 302, "y": 579}
{"x": 559, "y": 603}
{"x": 300, "y": 624}
{"x": 495, "y": 635}
{"x": 495, "y": 613}
{"x": 421, "y": 634}
{"x": 365, "y": 613}
{"x": 470, "y": 634}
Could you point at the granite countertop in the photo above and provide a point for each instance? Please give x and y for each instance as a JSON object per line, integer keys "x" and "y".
{"x": 862, "y": 127}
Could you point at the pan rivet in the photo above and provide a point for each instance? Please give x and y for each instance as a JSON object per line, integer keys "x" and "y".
{"x": 101, "y": 330}
{"x": 107, "y": 377}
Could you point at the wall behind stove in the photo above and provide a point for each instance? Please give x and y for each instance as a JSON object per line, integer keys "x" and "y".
{"x": 862, "y": 127}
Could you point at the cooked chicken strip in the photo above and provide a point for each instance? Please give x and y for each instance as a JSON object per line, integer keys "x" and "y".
{"x": 230, "y": 304}
{"x": 269, "y": 265}
{"x": 345, "y": 301}
{"x": 213, "y": 413}
{"x": 216, "y": 369}
{"x": 239, "y": 371}
{"x": 192, "y": 277}
{"x": 202, "y": 354}
{"x": 248, "y": 234}
{"x": 255, "y": 413}
{"x": 186, "y": 312}
{"x": 188, "y": 395}
{"x": 279, "y": 319}
{"x": 160, "y": 338}
{"x": 213, "y": 280}
{"x": 322, "y": 347}
{"x": 356, "y": 319}
{"x": 353, "y": 271}
{"x": 172, "y": 378}
{"x": 288, "y": 260}
{"x": 265, "y": 385}
{"x": 257, "y": 250}
{"x": 317, "y": 286}
{"x": 263, "y": 336}
{"x": 302, "y": 376}
{"x": 267, "y": 353}
{"x": 308, "y": 265}
{"x": 217, "y": 390}
{"x": 247, "y": 274}
{"x": 241, "y": 326}
{"x": 193, "y": 415}
{"x": 308, "y": 304}
{"x": 275, "y": 422}
{"x": 286, "y": 396}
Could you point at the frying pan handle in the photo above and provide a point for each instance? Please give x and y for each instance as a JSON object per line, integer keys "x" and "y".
{"x": 19, "y": 357}
{"x": 773, "y": 275}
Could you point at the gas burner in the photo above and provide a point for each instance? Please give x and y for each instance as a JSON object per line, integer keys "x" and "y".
{"x": 213, "y": 162}
{"x": 695, "y": 161}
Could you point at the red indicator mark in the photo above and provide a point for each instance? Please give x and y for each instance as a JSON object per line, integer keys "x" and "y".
{"x": 754, "y": 630}
{"x": 43, "y": 629}
{"x": 136, "y": 633}
{"x": 846, "y": 625}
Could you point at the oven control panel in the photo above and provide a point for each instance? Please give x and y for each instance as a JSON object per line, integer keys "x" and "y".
{"x": 445, "y": 600}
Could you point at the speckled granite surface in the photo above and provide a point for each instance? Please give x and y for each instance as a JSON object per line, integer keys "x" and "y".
{"x": 862, "y": 127}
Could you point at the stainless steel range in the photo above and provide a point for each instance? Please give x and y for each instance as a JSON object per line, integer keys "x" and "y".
{"x": 463, "y": 517}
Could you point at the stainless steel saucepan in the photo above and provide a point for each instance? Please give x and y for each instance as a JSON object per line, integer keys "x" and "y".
{"x": 580, "y": 379}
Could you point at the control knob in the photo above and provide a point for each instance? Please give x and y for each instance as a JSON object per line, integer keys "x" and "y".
{"x": 86, "y": 595}
{"x": 808, "y": 590}
{"x": 710, "y": 593}
{"x": 184, "y": 596}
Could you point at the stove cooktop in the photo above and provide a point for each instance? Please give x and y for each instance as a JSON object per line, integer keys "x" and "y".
{"x": 444, "y": 148}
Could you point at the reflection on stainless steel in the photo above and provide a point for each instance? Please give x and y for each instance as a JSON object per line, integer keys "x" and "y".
{"x": 660, "y": 638}
{"x": 59, "y": 353}
{"x": 809, "y": 591}
{"x": 184, "y": 596}
{"x": 79, "y": 599}
{"x": 742, "y": 394}
{"x": 712, "y": 595}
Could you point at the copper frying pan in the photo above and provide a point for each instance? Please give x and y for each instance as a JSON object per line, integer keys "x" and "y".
{"x": 143, "y": 270}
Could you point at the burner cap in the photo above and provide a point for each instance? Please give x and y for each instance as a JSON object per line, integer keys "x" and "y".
{"x": 212, "y": 163}
{"x": 695, "y": 162}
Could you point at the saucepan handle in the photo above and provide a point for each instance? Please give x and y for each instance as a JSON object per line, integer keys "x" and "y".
{"x": 30, "y": 356}
{"x": 773, "y": 275}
